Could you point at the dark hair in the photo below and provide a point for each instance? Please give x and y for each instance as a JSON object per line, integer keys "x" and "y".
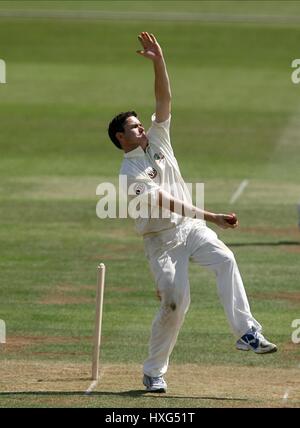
{"x": 117, "y": 125}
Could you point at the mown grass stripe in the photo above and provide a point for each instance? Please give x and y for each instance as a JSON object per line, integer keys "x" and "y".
{"x": 148, "y": 16}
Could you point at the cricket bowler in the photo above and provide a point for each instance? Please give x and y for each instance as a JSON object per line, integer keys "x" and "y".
{"x": 153, "y": 173}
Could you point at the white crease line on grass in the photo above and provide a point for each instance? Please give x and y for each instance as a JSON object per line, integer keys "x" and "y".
{"x": 91, "y": 387}
{"x": 95, "y": 382}
{"x": 140, "y": 15}
{"x": 239, "y": 191}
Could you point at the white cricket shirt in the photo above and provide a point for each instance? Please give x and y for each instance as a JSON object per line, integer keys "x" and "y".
{"x": 155, "y": 169}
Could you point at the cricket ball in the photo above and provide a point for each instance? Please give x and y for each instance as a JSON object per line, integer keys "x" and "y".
{"x": 233, "y": 218}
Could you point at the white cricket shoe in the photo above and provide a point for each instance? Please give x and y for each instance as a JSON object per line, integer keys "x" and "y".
{"x": 253, "y": 340}
{"x": 155, "y": 384}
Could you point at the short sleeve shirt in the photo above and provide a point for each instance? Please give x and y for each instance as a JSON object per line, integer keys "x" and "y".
{"x": 149, "y": 171}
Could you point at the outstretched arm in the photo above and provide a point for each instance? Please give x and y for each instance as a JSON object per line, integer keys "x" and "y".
{"x": 153, "y": 51}
{"x": 167, "y": 201}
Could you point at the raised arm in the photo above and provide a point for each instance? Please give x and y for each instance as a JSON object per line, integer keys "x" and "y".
{"x": 153, "y": 51}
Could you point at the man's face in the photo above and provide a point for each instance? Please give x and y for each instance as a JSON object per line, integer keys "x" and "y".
{"x": 134, "y": 132}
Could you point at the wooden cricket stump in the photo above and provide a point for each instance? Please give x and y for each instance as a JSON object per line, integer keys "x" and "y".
{"x": 98, "y": 320}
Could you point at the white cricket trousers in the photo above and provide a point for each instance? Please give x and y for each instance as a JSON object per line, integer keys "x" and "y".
{"x": 168, "y": 253}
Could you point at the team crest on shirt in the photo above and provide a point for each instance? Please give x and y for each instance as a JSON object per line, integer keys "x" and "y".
{"x": 151, "y": 172}
{"x": 139, "y": 188}
{"x": 158, "y": 156}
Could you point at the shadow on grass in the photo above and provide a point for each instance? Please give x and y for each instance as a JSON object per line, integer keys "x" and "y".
{"x": 132, "y": 393}
{"x": 262, "y": 244}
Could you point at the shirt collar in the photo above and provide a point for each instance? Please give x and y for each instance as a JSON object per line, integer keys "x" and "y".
{"x": 135, "y": 153}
